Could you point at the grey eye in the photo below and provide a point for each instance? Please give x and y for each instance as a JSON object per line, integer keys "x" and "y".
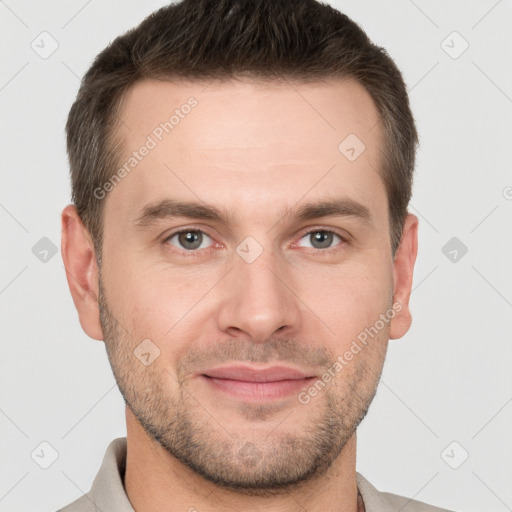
{"x": 189, "y": 239}
{"x": 320, "y": 239}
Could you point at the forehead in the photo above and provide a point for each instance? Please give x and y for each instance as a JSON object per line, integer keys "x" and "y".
{"x": 241, "y": 141}
{"x": 331, "y": 106}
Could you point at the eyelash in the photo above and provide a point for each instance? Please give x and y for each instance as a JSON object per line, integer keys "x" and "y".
{"x": 198, "y": 252}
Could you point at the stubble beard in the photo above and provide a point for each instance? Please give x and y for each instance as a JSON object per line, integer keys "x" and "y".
{"x": 267, "y": 465}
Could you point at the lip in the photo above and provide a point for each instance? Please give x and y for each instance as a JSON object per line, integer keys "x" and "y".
{"x": 255, "y": 384}
{"x": 254, "y": 374}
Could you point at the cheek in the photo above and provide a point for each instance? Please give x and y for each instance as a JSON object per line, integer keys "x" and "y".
{"x": 165, "y": 307}
{"x": 150, "y": 298}
{"x": 346, "y": 299}
{"x": 354, "y": 301}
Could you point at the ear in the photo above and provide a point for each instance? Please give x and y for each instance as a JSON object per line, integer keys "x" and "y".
{"x": 79, "y": 258}
{"x": 403, "y": 267}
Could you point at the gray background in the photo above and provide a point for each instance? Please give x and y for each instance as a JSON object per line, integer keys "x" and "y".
{"x": 448, "y": 380}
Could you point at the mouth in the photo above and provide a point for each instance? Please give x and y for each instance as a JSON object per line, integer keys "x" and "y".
{"x": 257, "y": 384}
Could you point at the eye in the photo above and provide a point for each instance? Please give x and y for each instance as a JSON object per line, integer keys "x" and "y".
{"x": 188, "y": 239}
{"x": 321, "y": 239}
{"x": 192, "y": 240}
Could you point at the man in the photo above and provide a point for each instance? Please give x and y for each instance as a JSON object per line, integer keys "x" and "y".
{"x": 240, "y": 240}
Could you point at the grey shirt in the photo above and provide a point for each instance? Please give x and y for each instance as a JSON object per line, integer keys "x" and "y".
{"x": 107, "y": 493}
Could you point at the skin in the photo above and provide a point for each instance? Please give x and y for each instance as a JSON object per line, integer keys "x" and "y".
{"x": 256, "y": 150}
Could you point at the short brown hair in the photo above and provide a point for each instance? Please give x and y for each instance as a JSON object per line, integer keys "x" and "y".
{"x": 301, "y": 40}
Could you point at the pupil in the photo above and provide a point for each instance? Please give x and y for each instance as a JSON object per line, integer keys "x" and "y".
{"x": 190, "y": 239}
{"x": 322, "y": 239}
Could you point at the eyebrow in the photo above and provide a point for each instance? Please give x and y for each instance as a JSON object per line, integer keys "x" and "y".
{"x": 171, "y": 208}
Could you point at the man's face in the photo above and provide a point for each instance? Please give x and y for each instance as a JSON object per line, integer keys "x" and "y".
{"x": 254, "y": 290}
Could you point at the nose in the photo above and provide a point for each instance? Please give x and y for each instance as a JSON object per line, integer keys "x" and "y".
{"x": 258, "y": 300}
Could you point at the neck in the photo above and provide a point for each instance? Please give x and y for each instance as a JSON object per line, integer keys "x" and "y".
{"x": 155, "y": 480}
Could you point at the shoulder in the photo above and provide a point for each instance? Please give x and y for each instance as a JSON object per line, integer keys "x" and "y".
{"x": 404, "y": 504}
{"x": 377, "y": 501}
{"x": 107, "y": 491}
{"x": 82, "y": 504}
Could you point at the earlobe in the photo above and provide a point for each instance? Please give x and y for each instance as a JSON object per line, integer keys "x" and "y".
{"x": 403, "y": 269}
{"x": 79, "y": 259}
